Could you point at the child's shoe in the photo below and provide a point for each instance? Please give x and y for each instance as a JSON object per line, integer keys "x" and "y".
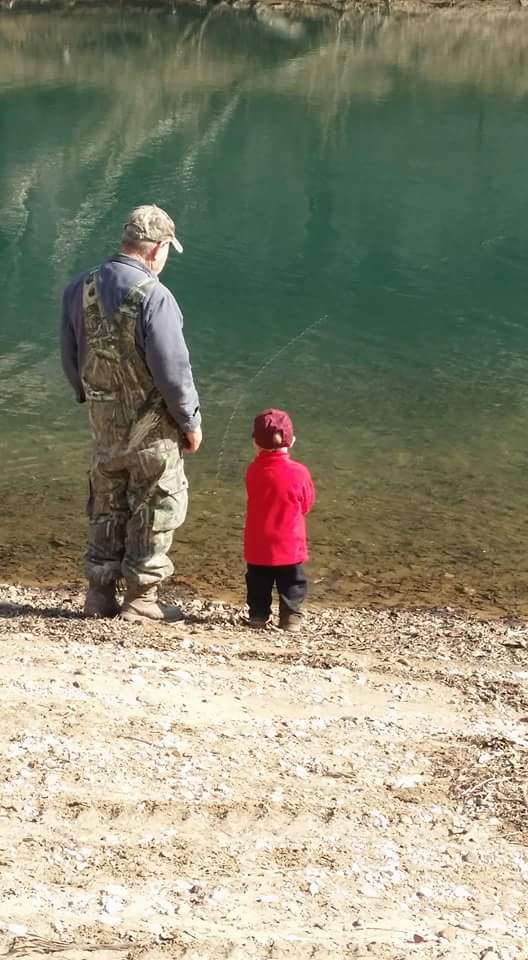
{"x": 290, "y": 621}
{"x": 257, "y": 623}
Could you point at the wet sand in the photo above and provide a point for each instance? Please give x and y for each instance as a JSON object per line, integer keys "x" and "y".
{"x": 379, "y": 569}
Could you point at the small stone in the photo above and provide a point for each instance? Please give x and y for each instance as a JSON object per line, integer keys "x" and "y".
{"x": 379, "y": 820}
{"x": 183, "y": 675}
{"x": 368, "y": 890}
{"x": 469, "y": 857}
{"x": 425, "y": 892}
{"x": 494, "y": 923}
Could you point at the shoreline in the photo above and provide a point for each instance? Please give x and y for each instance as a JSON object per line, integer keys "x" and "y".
{"x": 445, "y": 597}
{"x": 282, "y": 10}
{"x": 190, "y": 597}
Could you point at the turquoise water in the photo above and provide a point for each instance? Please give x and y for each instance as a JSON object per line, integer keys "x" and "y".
{"x": 365, "y": 188}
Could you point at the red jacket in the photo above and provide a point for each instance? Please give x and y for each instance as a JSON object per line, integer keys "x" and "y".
{"x": 279, "y": 492}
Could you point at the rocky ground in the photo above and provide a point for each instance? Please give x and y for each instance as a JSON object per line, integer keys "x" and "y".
{"x": 204, "y": 791}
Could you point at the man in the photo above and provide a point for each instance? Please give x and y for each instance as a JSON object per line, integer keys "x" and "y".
{"x": 124, "y": 353}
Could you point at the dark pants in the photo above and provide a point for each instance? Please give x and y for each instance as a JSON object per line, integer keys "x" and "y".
{"x": 291, "y": 584}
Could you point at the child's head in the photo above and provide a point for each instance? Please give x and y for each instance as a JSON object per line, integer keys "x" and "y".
{"x": 273, "y": 430}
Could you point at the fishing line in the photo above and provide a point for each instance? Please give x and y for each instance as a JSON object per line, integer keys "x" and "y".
{"x": 260, "y": 371}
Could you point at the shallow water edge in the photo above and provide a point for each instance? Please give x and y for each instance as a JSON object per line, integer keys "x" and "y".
{"x": 288, "y": 9}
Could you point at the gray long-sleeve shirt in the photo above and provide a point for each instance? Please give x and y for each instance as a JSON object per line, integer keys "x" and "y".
{"x": 159, "y": 335}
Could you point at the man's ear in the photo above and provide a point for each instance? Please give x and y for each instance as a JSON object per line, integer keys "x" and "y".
{"x": 155, "y": 250}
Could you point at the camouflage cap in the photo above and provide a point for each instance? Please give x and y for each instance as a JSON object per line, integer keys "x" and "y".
{"x": 150, "y": 222}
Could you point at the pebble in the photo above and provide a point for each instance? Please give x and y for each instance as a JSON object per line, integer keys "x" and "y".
{"x": 425, "y": 892}
{"x": 407, "y": 781}
{"x": 367, "y": 890}
{"x": 379, "y": 820}
{"x": 470, "y": 857}
{"x": 494, "y": 923}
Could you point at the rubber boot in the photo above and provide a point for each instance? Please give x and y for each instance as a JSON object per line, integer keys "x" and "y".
{"x": 101, "y": 601}
{"x": 142, "y": 604}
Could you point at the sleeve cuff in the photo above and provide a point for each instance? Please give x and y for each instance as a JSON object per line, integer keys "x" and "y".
{"x": 192, "y": 423}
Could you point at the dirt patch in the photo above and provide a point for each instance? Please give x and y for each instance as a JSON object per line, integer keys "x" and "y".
{"x": 489, "y": 777}
{"x": 205, "y": 791}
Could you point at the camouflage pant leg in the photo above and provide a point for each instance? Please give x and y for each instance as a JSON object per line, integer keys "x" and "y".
{"x": 157, "y": 497}
{"x": 108, "y": 514}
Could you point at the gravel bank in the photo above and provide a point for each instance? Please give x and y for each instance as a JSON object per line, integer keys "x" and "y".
{"x": 204, "y": 791}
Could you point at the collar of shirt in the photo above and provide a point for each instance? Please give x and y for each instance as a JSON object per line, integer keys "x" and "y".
{"x": 132, "y": 262}
{"x": 274, "y": 454}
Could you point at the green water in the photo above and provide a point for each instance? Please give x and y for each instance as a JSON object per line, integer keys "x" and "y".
{"x": 372, "y": 176}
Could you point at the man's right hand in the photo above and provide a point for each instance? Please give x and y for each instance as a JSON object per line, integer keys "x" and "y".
{"x": 192, "y": 440}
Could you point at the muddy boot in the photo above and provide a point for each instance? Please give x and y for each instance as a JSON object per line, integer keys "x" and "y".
{"x": 101, "y": 601}
{"x": 141, "y": 604}
{"x": 290, "y": 621}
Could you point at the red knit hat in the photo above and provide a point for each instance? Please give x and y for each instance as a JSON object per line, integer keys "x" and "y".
{"x": 267, "y": 424}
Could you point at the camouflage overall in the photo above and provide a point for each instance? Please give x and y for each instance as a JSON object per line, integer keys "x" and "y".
{"x": 138, "y": 488}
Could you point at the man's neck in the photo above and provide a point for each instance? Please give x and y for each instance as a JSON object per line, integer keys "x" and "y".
{"x": 134, "y": 255}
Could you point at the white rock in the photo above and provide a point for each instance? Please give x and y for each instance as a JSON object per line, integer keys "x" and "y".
{"x": 262, "y": 844}
{"x": 301, "y": 772}
{"x": 112, "y": 905}
{"x": 425, "y": 891}
{"x": 461, "y": 893}
{"x": 368, "y": 890}
{"x": 183, "y": 675}
{"x": 494, "y": 923}
{"x": 270, "y": 732}
{"x": 219, "y": 894}
{"x": 379, "y": 820}
{"x": 407, "y": 781}
{"x": 114, "y": 890}
{"x": 108, "y": 918}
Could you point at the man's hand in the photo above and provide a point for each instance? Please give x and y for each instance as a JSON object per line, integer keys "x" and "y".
{"x": 192, "y": 440}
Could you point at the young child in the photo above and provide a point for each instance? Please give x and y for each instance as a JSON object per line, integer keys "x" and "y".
{"x": 280, "y": 492}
